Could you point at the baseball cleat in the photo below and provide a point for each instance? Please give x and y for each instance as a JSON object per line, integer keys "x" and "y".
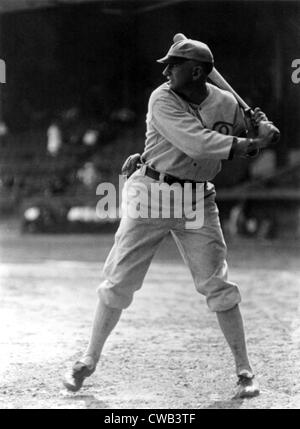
{"x": 248, "y": 387}
{"x": 74, "y": 379}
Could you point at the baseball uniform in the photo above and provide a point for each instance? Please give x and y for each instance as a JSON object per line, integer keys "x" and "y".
{"x": 189, "y": 142}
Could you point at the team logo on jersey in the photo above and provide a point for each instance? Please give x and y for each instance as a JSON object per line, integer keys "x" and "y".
{"x": 223, "y": 128}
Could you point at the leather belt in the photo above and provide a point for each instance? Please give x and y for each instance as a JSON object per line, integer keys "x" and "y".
{"x": 167, "y": 178}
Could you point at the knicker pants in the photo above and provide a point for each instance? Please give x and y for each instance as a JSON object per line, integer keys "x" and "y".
{"x": 203, "y": 250}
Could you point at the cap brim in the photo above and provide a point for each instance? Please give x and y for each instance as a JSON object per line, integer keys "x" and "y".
{"x": 171, "y": 60}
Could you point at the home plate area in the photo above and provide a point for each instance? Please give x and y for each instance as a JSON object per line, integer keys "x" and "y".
{"x": 167, "y": 350}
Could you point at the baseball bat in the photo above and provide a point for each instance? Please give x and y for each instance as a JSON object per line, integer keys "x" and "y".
{"x": 222, "y": 83}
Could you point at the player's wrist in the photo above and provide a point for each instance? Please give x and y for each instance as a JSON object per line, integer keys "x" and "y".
{"x": 244, "y": 147}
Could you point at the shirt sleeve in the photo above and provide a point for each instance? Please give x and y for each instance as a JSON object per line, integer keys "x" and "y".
{"x": 239, "y": 125}
{"x": 186, "y": 132}
{"x": 240, "y": 130}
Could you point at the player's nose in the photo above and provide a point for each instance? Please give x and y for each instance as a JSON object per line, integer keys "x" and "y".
{"x": 166, "y": 71}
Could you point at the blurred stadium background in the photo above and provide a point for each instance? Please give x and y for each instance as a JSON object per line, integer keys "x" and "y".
{"x": 79, "y": 74}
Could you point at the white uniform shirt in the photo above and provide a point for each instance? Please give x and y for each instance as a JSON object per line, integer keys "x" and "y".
{"x": 189, "y": 141}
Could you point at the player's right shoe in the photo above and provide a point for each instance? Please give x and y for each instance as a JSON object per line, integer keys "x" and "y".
{"x": 73, "y": 380}
{"x": 248, "y": 386}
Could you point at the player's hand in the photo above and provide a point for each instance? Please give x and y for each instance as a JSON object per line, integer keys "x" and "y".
{"x": 262, "y": 129}
{"x": 258, "y": 116}
{"x": 246, "y": 147}
{"x": 265, "y": 133}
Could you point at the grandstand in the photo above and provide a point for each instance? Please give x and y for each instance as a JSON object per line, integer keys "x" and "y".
{"x": 79, "y": 74}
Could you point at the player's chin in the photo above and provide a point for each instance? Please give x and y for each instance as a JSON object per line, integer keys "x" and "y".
{"x": 171, "y": 85}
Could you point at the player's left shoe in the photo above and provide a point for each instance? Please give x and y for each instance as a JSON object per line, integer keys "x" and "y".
{"x": 74, "y": 379}
{"x": 248, "y": 386}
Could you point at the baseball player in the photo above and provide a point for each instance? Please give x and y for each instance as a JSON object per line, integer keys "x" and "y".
{"x": 191, "y": 127}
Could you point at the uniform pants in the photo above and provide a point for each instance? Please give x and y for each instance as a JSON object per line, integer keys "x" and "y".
{"x": 203, "y": 251}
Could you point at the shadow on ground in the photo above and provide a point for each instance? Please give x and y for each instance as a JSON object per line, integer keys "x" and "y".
{"x": 90, "y": 401}
{"x": 233, "y": 404}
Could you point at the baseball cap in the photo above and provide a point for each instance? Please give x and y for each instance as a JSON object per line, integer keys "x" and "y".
{"x": 188, "y": 49}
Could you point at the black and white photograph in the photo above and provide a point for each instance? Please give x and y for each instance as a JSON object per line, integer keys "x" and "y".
{"x": 149, "y": 207}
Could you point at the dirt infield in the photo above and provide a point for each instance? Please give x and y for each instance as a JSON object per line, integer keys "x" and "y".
{"x": 167, "y": 351}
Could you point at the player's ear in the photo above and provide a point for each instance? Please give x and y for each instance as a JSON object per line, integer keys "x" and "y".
{"x": 197, "y": 72}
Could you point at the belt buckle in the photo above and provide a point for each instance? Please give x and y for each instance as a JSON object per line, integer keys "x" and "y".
{"x": 162, "y": 177}
{"x": 143, "y": 169}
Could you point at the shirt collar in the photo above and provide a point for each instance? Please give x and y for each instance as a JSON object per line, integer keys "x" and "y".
{"x": 205, "y": 102}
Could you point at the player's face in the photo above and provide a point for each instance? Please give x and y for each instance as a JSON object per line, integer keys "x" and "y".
{"x": 179, "y": 75}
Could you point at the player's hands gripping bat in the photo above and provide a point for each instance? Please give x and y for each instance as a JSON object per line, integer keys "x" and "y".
{"x": 262, "y": 123}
